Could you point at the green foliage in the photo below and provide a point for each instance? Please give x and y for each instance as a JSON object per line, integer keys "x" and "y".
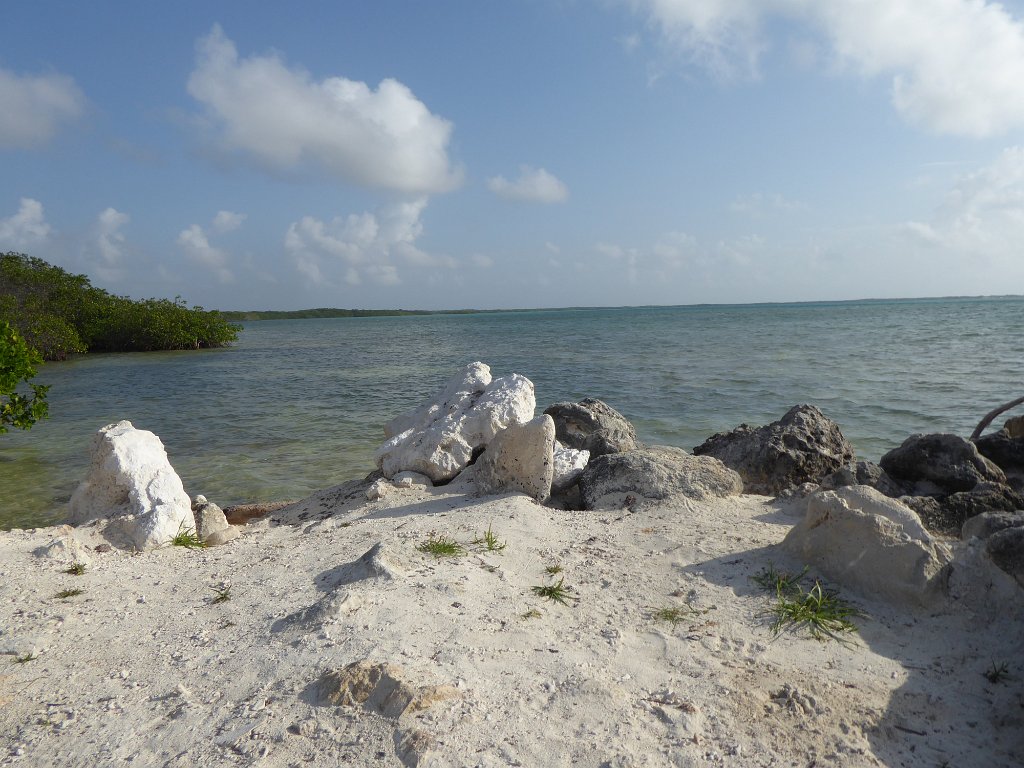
{"x": 188, "y": 538}
{"x": 556, "y": 592}
{"x": 490, "y": 541}
{"x": 60, "y": 314}
{"x": 76, "y": 569}
{"x": 822, "y": 612}
{"x": 25, "y": 658}
{"x": 674, "y": 614}
{"x": 17, "y": 366}
{"x": 222, "y": 593}
{"x": 64, "y": 594}
{"x": 779, "y": 582}
{"x": 441, "y": 546}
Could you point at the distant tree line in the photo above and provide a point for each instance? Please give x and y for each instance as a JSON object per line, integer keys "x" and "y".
{"x": 58, "y": 314}
{"x": 328, "y": 312}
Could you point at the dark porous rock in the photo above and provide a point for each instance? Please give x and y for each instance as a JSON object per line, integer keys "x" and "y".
{"x": 863, "y": 473}
{"x": 940, "y": 463}
{"x": 592, "y": 425}
{"x": 948, "y": 514}
{"x": 1005, "y": 451}
{"x": 802, "y": 447}
{"x": 1006, "y": 548}
{"x": 656, "y": 472}
{"x": 984, "y": 525}
{"x": 927, "y": 508}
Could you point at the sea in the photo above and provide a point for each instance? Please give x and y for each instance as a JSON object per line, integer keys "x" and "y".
{"x": 298, "y": 405}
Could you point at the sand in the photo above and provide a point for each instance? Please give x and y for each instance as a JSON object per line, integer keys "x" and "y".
{"x": 147, "y": 667}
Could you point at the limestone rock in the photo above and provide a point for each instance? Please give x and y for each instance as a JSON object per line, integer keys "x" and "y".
{"x": 569, "y": 464}
{"x": 944, "y": 462}
{"x": 383, "y": 689}
{"x": 1006, "y": 548}
{"x": 1006, "y": 451}
{"x": 64, "y": 548}
{"x": 654, "y": 472}
{"x": 871, "y": 543}
{"x": 223, "y": 536}
{"x": 411, "y": 480}
{"x": 592, "y": 425}
{"x": 131, "y": 477}
{"x": 863, "y": 473}
{"x": 984, "y": 525}
{"x": 378, "y": 490}
{"x": 210, "y": 521}
{"x": 378, "y": 562}
{"x": 520, "y": 458}
{"x": 333, "y": 606}
{"x": 803, "y": 446}
{"x": 440, "y": 438}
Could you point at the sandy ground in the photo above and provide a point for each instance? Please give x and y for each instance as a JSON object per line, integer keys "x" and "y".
{"x": 147, "y": 667}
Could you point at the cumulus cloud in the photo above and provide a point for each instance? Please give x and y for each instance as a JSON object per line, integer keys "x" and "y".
{"x": 285, "y": 120}
{"x": 361, "y": 247}
{"x": 34, "y": 106}
{"x": 226, "y": 221}
{"x": 955, "y": 66}
{"x": 534, "y": 185}
{"x": 25, "y": 228}
{"x": 196, "y": 245}
{"x": 983, "y": 213}
{"x": 109, "y": 239}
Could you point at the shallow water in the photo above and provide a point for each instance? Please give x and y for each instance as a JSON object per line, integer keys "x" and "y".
{"x": 297, "y": 405}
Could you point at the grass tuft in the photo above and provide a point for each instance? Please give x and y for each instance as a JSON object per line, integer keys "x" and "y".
{"x": 25, "y": 658}
{"x": 222, "y": 593}
{"x": 556, "y": 592}
{"x": 533, "y": 613}
{"x": 64, "y": 594}
{"x": 821, "y": 611}
{"x": 675, "y": 614}
{"x": 442, "y": 546}
{"x": 780, "y": 582}
{"x": 490, "y": 541}
{"x": 553, "y": 570}
{"x": 997, "y": 672}
{"x": 76, "y": 569}
{"x": 188, "y": 538}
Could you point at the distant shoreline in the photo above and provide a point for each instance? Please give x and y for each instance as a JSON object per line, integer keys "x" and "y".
{"x": 331, "y": 312}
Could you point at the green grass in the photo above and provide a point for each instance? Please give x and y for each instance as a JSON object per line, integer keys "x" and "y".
{"x": 64, "y": 594}
{"x": 442, "y": 546}
{"x": 556, "y": 592}
{"x": 76, "y": 569}
{"x": 553, "y": 570}
{"x": 675, "y": 614}
{"x": 780, "y": 582}
{"x": 997, "y": 672}
{"x": 490, "y": 541}
{"x": 25, "y": 658}
{"x": 221, "y": 594}
{"x": 533, "y": 613}
{"x": 188, "y": 538}
{"x": 820, "y": 611}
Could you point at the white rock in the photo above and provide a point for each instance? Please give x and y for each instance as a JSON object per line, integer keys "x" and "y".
{"x": 519, "y": 459}
{"x": 378, "y": 490}
{"x": 131, "y": 477}
{"x": 439, "y": 438}
{"x": 64, "y": 548}
{"x": 411, "y": 480}
{"x": 868, "y": 544}
{"x": 569, "y": 464}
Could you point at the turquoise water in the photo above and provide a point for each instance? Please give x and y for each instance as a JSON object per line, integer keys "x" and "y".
{"x": 298, "y": 405}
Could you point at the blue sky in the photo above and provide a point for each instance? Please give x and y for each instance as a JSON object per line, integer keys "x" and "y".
{"x": 522, "y": 154}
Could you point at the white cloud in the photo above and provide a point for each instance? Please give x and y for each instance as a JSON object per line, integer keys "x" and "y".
{"x": 286, "y": 121}
{"x": 362, "y": 246}
{"x": 955, "y": 65}
{"x": 534, "y": 185}
{"x": 196, "y": 245}
{"x": 25, "y": 228}
{"x": 226, "y": 221}
{"x": 34, "y": 106}
{"x": 109, "y": 238}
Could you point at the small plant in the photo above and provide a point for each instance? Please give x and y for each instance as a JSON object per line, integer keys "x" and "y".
{"x": 64, "y": 594}
{"x": 675, "y": 614}
{"x": 441, "y": 546}
{"x": 555, "y": 592}
{"x": 780, "y": 582}
{"x": 490, "y": 541}
{"x": 76, "y": 569}
{"x": 997, "y": 672}
{"x": 533, "y": 613}
{"x": 821, "y": 611}
{"x": 221, "y": 594}
{"x": 25, "y": 658}
{"x": 188, "y": 538}
{"x": 553, "y": 570}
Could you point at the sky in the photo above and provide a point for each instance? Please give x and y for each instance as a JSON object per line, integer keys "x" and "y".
{"x": 528, "y": 153}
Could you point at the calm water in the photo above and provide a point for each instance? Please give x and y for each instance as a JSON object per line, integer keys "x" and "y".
{"x": 298, "y": 405}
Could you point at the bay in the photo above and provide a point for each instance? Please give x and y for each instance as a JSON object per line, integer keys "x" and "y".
{"x": 298, "y": 405}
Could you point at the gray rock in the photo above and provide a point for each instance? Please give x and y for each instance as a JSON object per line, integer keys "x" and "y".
{"x": 863, "y": 473}
{"x": 209, "y": 518}
{"x": 984, "y": 525}
{"x": 1006, "y": 548}
{"x": 654, "y": 472}
{"x": 592, "y": 425}
{"x": 520, "y": 458}
{"x": 946, "y": 514}
{"x": 1007, "y": 452}
{"x": 948, "y": 462}
{"x": 802, "y": 447}
{"x": 871, "y": 543}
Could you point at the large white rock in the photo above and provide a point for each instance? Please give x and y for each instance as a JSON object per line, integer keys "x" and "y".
{"x": 438, "y": 439}
{"x": 520, "y": 459}
{"x": 569, "y": 464}
{"x": 131, "y": 477}
{"x": 871, "y": 543}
